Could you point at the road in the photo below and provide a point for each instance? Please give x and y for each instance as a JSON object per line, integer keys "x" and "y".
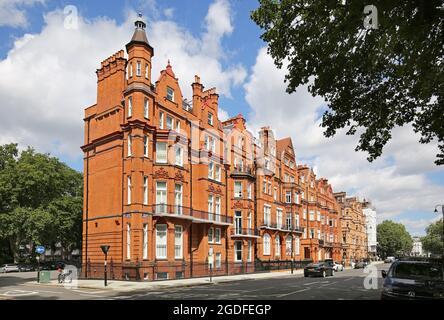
{"x": 345, "y": 285}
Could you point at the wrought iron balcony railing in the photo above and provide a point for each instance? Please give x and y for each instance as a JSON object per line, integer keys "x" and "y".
{"x": 244, "y": 232}
{"x": 189, "y": 213}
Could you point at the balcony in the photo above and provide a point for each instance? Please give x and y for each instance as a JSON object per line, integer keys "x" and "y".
{"x": 243, "y": 172}
{"x": 244, "y": 232}
{"x": 298, "y": 229}
{"x": 196, "y": 216}
{"x": 326, "y": 244}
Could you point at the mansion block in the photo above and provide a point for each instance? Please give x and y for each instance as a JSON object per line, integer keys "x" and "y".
{"x": 176, "y": 192}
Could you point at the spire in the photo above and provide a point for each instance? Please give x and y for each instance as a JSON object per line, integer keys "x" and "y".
{"x": 139, "y": 36}
{"x": 169, "y": 69}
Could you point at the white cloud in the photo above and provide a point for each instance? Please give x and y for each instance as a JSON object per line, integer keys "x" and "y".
{"x": 49, "y": 78}
{"x": 13, "y": 12}
{"x": 396, "y": 183}
{"x": 168, "y": 12}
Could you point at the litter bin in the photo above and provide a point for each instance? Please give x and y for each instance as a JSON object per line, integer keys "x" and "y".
{"x": 45, "y": 276}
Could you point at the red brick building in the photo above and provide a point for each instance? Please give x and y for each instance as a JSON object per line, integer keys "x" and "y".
{"x": 176, "y": 193}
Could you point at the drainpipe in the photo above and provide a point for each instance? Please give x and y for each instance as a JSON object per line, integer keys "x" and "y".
{"x": 87, "y": 207}
{"x": 191, "y": 202}
{"x": 226, "y": 216}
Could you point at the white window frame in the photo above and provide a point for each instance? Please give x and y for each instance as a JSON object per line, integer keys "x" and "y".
{"x": 210, "y": 118}
{"x": 161, "y": 153}
{"x": 145, "y": 242}
{"x": 288, "y": 196}
{"x": 130, "y": 106}
{"x": 145, "y": 190}
{"x": 238, "y": 189}
{"x": 146, "y": 108}
{"x": 218, "y": 173}
{"x": 266, "y": 244}
{"x": 211, "y": 170}
{"x": 169, "y": 122}
{"x": 217, "y": 235}
{"x": 218, "y": 208}
{"x": 210, "y": 206}
{"x": 170, "y": 94}
{"x": 250, "y": 251}
{"x": 138, "y": 68}
{"x": 178, "y": 242}
{"x": 211, "y": 235}
{"x": 297, "y": 246}
{"x": 161, "y": 119}
{"x": 146, "y": 70}
{"x": 277, "y": 247}
{"x": 128, "y": 241}
{"x": 161, "y": 241}
{"x": 179, "y": 156}
{"x": 145, "y": 145}
{"x": 178, "y": 198}
{"x": 130, "y": 145}
{"x": 236, "y": 251}
{"x": 161, "y": 196}
{"x": 128, "y": 194}
{"x": 218, "y": 260}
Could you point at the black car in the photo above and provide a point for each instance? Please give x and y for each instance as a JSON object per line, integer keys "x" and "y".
{"x": 413, "y": 280}
{"x": 319, "y": 269}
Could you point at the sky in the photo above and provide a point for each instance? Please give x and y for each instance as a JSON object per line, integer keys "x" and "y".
{"x": 50, "y": 49}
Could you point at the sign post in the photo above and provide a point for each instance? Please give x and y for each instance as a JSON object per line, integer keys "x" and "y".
{"x": 39, "y": 250}
{"x": 105, "y": 251}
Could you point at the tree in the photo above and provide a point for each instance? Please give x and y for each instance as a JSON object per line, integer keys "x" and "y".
{"x": 41, "y": 201}
{"x": 393, "y": 239}
{"x": 433, "y": 241}
{"x": 373, "y": 79}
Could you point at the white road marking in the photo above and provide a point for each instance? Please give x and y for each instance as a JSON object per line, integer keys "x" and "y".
{"x": 18, "y": 293}
{"x": 290, "y": 293}
{"x": 310, "y": 283}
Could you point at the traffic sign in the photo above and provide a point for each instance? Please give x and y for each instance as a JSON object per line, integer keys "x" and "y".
{"x": 40, "y": 249}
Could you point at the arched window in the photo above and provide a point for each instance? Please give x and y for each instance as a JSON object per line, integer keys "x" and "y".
{"x": 267, "y": 244}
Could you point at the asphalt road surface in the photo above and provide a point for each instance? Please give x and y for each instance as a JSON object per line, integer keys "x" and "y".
{"x": 345, "y": 285}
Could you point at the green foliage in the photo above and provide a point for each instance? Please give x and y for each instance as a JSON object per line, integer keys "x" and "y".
{"x": 433, "y": 241}
{"x": 41, "y": 201}
{"x": 373, "y": 79}
{"x": 393, "y": 239}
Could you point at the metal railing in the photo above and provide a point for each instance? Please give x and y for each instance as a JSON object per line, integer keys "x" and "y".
{"x": 244, "y": 232}
{"x": 166, "y": 209}
{"x": 157, "y": 271}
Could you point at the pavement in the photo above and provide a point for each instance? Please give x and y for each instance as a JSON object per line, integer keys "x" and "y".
{"x": 348, "y": 284}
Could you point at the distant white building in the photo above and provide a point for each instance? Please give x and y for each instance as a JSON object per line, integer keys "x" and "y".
{"x": 417, "y": 247}
{"x": 370, "y": 223}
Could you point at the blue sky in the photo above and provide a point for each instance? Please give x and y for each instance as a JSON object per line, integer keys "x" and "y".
{"x": 48, "y": 79}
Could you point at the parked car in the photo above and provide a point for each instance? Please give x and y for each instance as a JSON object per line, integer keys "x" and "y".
{"x": 413, "y": 280}
{"x": 360, "y": 265}
{"x": 26, "y": 267}
{"x": 9, "y": 267}
{"x": 389, "y": 259}
{"x": 319, "y": 269}
{"x": 338, "y": 266}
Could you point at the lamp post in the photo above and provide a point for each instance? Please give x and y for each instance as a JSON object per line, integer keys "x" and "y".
{"x": 436, "y": 211}
{"x": 105, "y": 251}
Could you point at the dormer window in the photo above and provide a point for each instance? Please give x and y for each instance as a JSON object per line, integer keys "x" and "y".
{"x": 210, "y": 118}
{"x": 170, "y": 94}
{"x": 139, "y": 69}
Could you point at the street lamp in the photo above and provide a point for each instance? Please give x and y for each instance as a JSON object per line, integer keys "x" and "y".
{"x": 105, "y": 251}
